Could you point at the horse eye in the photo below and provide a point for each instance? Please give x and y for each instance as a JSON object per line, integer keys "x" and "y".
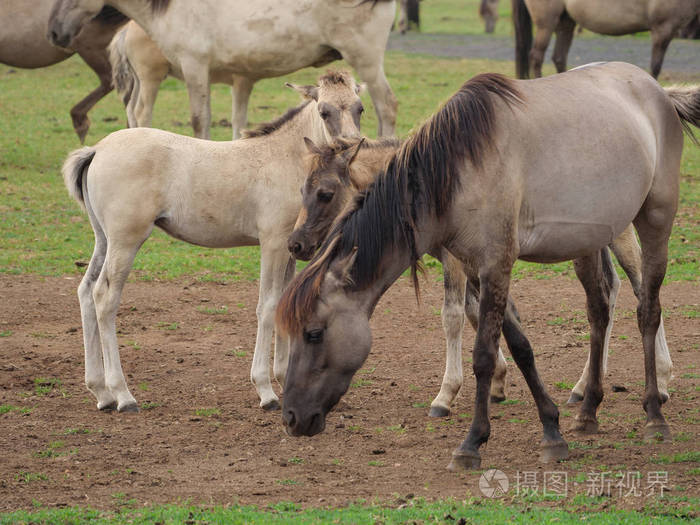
{"x": 361, "y": 110}
{"x": 325, "y": 196}
{"x": 314, "y": 336}
{"x": 325, "y": 115}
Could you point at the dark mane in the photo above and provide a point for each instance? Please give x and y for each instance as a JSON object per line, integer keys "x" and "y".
{"x": 108, "y": 15}
{"x": 421, "y": 179}
{"x": 159, "y": 6}
{"x": 269, "y": 127}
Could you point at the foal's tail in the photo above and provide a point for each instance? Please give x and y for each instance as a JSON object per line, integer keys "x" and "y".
{"x": 522, "y": 23}
{"x": 74, "y": 169}
{"x": 123, "y": 77}
{"x": 686, "y": 100}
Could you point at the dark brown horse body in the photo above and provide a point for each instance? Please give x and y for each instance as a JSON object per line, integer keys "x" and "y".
{"x": 557, "y": 194}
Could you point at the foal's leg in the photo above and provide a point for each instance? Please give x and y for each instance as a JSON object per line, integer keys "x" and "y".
{"x": 196, "y": 77}
{"x": 492, "y": 303}
{"x": 629, "y": 255}
{"x": 564, "y": 36}
{"x": 590, "y": 272}
{"x": 274, "y": 258}
{"x": 240, "y": 90}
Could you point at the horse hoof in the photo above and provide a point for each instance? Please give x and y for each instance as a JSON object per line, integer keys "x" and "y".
{"x": 129, "y": 408}
{"x": 585, "y": 426}
{"x": 438, "y": 411}
{"x": 271, "y": 405}
{"x": 663, "y": 397}
{"x": 657, "y": 432}
{"x": 462, "y": 461}
{"x": 553, "y": 451}
{"x": 574, "y": 399}
{"x": 497, "y": 399}
{"x": 109, "y": 407}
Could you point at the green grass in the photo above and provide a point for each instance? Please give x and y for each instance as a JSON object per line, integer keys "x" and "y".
{"x": 472, "y": 511}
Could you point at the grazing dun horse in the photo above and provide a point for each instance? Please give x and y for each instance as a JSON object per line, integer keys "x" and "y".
{"x": 214, "y": 194}
{"x": 23, "y": 44}
{"x": 557, "y": 194}
{"x": 663, "y": 18}
{"x": 343, "y": 171}
{"x": 252, "y": 40}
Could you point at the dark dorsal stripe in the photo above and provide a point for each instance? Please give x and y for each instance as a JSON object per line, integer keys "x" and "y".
{"x": 421, "y": 178}
{"x": 108, "y": 15}
{"x": 270, "y": 127}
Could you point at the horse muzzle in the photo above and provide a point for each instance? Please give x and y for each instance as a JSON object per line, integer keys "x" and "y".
{"x": 297, "y": 424}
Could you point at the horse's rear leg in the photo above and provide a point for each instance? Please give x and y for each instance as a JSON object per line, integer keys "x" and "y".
{"x": 661, "y": 37}
{"x": 371, "y": 70}
{"x": 146, "y": 89}
{"x": 543, "y": 33}
{"x": 629, "y": 255}
{"x": 564, "y": 37}
{"x": 107, "y": 295}
{"x": 240, "y": 90}
{"x": 590, "y": 271}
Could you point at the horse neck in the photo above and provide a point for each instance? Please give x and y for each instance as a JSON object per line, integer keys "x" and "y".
{"x": 307, "y": 123}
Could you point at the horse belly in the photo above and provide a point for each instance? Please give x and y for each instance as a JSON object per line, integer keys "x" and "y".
{"x": 549, "y": 242}
{"x": 610, "y": 18}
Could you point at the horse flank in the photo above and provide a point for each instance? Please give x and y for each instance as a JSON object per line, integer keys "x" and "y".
{"x": 421, "y": 178}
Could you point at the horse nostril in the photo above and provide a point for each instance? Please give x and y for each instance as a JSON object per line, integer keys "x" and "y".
{"x": 289, "y": 417}
{"x": 295, "y": 248}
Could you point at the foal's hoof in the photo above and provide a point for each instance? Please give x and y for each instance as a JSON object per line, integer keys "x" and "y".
{"x": 271, "y": 405}
{"x": 657, "y": 432}
{"x": 129, "y": 408}
{"x": 497, "y": 399}
{"x": 438, "y": 411}
{"x": 574, "y": 399}
{"x": 464, "y": 460}
{"x": 585, "y": 425}
{"x": 553, "y": 451}
{"x": 109, "y": 407}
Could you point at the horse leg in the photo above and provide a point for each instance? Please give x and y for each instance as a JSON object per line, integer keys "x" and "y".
{"x": 149, "y": 83}
{"x": 196, "y": 77}
{"x": 99, "y": 62}
{"x": 107, "y": 295}
{"x": 613, "y": 288}
{"x": 589, "y": 270}
{"x": 453, "y": 325}
{"x": 281, "y": 360}
{"x": 403, "y": 16}
{"x": 274, "y": 257}
{"x": 629, "y": 255}
{"x": 240, "y": 90}
{"x": 661, "y": 37}
{"x": 492, "y": 304}
{"x": 564, "y": 36}
{"x": 471, "y": 307}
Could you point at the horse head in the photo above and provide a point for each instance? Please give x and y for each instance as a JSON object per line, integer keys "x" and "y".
{"x": 68, "y": 17}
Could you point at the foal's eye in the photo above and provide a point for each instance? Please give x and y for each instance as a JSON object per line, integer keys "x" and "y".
{"x": 360, "y": 110}
{"x": 325, "y": 115}
{"x": 314, "y": 336}
{"x": 325, "y": 196}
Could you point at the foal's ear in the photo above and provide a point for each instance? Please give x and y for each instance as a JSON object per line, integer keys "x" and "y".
{"x": 350, "y": 154}
{"x": 313, "y": 148}
{"x": 341, "y": 269}
{"x": 304, "y": 91}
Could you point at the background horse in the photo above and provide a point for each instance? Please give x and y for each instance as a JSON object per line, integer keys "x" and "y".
{"x": 23, "y": 44}
{"x": 253, "y": 40}
{"x": 343, "y": 171}
{"x": 214, "y": 194}
{"x": 450, "y": 185}
{"x": 663, "y": 18}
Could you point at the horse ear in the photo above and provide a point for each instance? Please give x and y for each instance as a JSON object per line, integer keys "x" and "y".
{"x": 341, "y": 269}
{"x": 360, "y": 88}
{"x": 304, "y": 91}
{"x": 313, "y": 148}
{"x": 351, "y": 153}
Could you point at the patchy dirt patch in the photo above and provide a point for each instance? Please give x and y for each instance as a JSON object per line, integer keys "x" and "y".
{"x": 200, "y": 435}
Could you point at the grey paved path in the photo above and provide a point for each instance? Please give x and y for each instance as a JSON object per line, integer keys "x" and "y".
{"x": 682, "y": 56}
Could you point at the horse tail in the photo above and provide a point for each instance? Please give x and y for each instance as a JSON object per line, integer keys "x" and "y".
{"x": 686, "y": 100}
{"x": 522, "y": 23}
{"x": 123, "y": 77}
{"x": 74, "y": 169}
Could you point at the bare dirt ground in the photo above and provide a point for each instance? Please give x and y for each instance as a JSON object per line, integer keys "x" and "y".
{"x": 200, "y": 435}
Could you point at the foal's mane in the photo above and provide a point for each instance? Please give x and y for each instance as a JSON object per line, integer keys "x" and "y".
{"x": 421, "y": 179}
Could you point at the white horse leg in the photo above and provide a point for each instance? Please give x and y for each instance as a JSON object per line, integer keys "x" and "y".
{"x": 453, "y": 325}
{"x": 281, "y": 360}
{"x": 197, "y": 79}
{"x": 147, "y": 93}
{"x": 371, "y": 71}
{"x": 613, "y": 282}
{"x": 274, "y": 257}
{"x": 107, "y": 295}
{"x": 241, "y": 88}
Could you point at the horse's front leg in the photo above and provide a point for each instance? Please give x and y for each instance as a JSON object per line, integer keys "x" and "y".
{"x": 590, "y": 271}
{"x": 661, "y": 37}
{"x": 240, "y": 91}
{"x": 196, "y": 77}
{"x": 492, "y": 303}
{"x": 99, "y": 62}
{"x": 274, "y": 259}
